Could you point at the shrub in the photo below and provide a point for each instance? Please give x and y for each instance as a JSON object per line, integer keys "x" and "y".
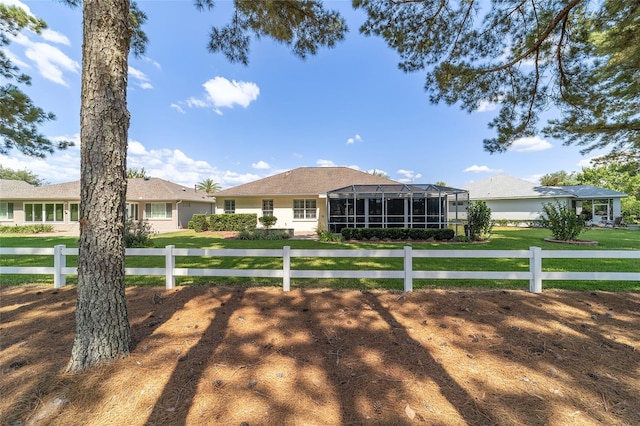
{"x": 329, "y": 237}
{"x": 479, "y": 221}
{"x": 401, "y": 234}
{"x": 262, "y": 234}
{"x": 26, "y": 229}
{"x": 233, "y": 222}
{"x": 199, "y": 223}
{"x": 564, "y": 223}
{"x": 137, "y": 234}
{"x": 268, "y": 221}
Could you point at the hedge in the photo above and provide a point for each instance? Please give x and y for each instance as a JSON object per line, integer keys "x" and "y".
{"x": 233, "y": 222}
{"x": 397, "y": 233}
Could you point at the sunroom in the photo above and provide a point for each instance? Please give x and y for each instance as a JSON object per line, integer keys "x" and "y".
{"x": 396, "y": 206}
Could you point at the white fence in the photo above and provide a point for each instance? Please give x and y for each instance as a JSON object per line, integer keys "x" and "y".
{"x": 535, "y": 274}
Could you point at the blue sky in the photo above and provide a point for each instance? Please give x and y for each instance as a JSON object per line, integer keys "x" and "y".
{"x": 196, "y": 116}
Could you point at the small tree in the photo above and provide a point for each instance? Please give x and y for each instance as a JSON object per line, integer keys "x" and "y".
{"x": 564, "y": 223}
{"x": 268, "y": 221}
{"x": 479, "y": 221}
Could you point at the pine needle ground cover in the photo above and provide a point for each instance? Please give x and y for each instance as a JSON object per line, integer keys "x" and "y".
{"x": 259, "y": 356}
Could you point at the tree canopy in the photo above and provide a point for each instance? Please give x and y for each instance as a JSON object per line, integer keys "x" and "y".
{"x": 19, "y": 117}
{"x": 525, "y": 57}
{"x": 558, "y": 179}
{"x": 24, "y": 175}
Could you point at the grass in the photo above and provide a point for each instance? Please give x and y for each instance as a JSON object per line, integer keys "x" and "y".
{"x": 502, "y": 239}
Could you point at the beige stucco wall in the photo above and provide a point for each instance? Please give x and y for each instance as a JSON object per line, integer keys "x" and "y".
{"x": 282, "y": 209}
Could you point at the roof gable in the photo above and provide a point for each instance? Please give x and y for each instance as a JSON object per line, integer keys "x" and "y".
{"x": 311, "y": 181}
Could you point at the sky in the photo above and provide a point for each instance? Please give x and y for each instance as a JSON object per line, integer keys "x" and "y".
{"x": 195, "y": 116}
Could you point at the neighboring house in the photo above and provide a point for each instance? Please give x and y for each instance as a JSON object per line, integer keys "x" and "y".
{"x": 310, "y": 198}
{"x": 515, "y": 199}
{"x": 166, "y": 205}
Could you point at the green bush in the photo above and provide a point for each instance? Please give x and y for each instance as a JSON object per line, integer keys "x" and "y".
{"x": 268, "y": 221}
{"x": 26, "y": 229}
{"x": 329, "y": 237}
{"x": 562, "y": 220}
{"x": 402, "y": 234}
{"x": 199, "y": 223}
{"x": 479, "y": 221}
{"x": 263, "y": 234}
{"x": 137, "y": 234}
{"x": 233, "y": 222}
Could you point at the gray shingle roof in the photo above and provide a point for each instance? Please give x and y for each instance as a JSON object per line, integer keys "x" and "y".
{"x": 304, "y": 181}
{"x": 152, "y": 189}
{"x": 502, "y": 186}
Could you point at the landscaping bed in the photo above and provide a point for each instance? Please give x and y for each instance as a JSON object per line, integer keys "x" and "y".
{"x": 259, "y": 356}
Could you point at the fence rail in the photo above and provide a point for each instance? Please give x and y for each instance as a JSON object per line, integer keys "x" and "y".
{"x": 535, "y": 274}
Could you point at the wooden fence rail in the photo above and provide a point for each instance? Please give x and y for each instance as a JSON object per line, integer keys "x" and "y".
{"x": 535, "y": 274}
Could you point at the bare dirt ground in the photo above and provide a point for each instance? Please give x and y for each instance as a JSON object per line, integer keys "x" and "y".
{"x": 258, "y": 356}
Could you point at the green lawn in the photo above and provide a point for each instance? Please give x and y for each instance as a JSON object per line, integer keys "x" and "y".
{"x": 502, "y": 239}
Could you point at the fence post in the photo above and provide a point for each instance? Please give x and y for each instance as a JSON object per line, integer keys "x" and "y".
{"x": 408, "y": 269}
{"x": 286, "y": 268}
{"x": 535, "y": 267}
{"x": 59, "y": 262}
{"x": 169, "y": 264}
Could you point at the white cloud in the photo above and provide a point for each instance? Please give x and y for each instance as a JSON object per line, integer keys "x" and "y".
{"x": 177, "y": 108}
{"x": 261, "y": 165}
{"x": 585, "y": 162}
{"x": 409, "y": 176}
{"x": 152, "y": 62}
{"x": 169, "y": 164}
{"x": 485, "y": 106}
{"x": 325, "y": 163}
{"x": 61, "y": 166}
{"x": 356, "y": 138}
{"x": 330, "y": 163}
{"x": 481, "y": 169}
{"x": 222, "y": 93}
{"x": 51, "y": 62}
{"x": 55, "y": 37}
{"x": 196, "y": 103}
{"x": 530, "y": 144}
{"x": 141, "y": 79}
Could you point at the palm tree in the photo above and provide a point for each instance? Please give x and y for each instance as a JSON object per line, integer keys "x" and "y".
{"x": 208, "y": 186}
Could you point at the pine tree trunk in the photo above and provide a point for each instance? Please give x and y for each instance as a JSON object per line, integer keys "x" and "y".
{"x": 102, "y": 326}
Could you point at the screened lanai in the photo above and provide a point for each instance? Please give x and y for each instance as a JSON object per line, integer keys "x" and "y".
{"x": 395, "y": 206}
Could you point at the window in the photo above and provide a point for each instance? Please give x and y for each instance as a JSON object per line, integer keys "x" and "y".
{"x": 44, "y": 212}
{"x": 6, "y": 211}
{"x": 132, "y": 211}
{"x": 74, "y": 212}
{"x": 304, "y": 209}
{"x": 229, "y": 206}
{"x": 267, "y": 207}
{"x": 158, "y": 210}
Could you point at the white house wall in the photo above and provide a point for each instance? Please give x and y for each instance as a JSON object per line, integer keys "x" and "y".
{"x": 524, "y": 209}
{"x": 282, "y": 209}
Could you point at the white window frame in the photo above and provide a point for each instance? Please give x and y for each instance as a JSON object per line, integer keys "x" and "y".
{"x": 267, "y": 207}
{"x": 6, "y": 211}
{"x": 58, "y": 215}
{"x": 229, "y": 206}
{"x": 158, "y": 211}
{"x": 132, "y": 211}
{"x": 305, "y": 209}
{"x": 71, "y": 212}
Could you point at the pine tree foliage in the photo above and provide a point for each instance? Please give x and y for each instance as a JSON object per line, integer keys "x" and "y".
{"x": 19, "y": 117}
{"x": 525, "y": 56}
